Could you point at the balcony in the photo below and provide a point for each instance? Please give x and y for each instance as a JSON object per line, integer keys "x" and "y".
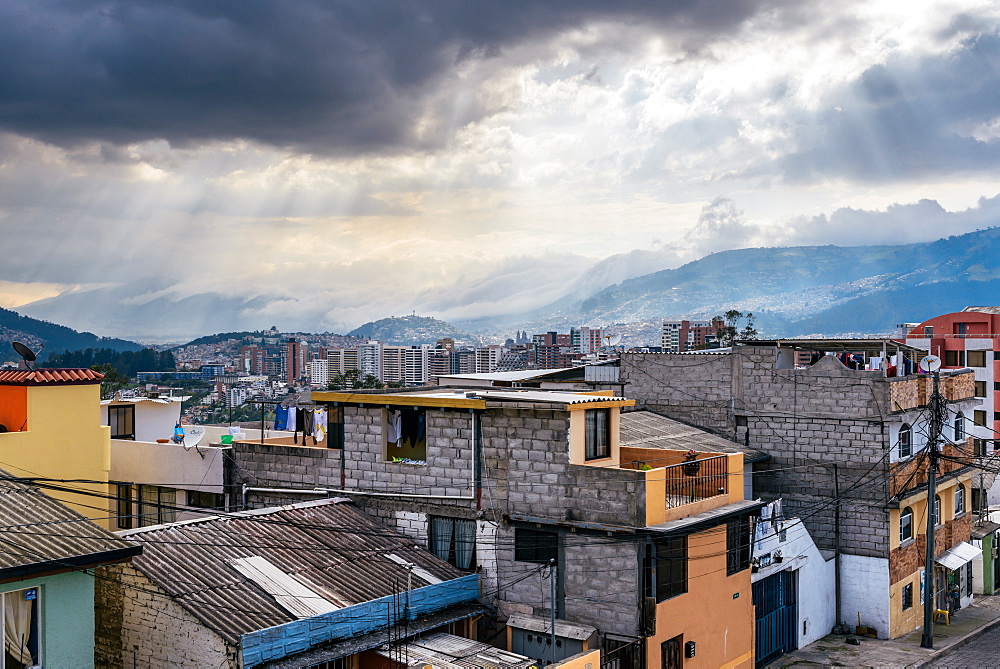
{"x": 686, "y": 487}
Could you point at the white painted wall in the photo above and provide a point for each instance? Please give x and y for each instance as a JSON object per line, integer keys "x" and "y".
{"x": 816, "y": 579}
{"x": 154, "y": 419}
{"x": 864, "y": 583}
{"x": 168, "y": 465}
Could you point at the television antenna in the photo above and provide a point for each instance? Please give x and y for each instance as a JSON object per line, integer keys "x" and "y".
{"x": 27, "y": 355}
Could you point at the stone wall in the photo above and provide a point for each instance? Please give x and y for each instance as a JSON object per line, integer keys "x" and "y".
{"x": 140, "y": 625}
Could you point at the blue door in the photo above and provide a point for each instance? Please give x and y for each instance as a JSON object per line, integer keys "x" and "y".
{"x": 777, "y": 616}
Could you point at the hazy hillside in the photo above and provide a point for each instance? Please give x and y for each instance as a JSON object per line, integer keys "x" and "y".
{"x": 812, "y": 290}
{"x": 56, "y": 338}
{"x": 410, "y": 330}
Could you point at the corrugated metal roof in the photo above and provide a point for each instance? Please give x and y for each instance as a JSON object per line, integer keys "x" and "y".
{"x": 983, "y": 310}
{"x": 447, "y": 651}
{"x": 564, "y": 628}
{"x": 645, "y": 429}
{"x": 39, "y": 377}
{"x": 546, "y": 396}
{"x": 337, "y": 550}
{"x": 39, "y": 534}
{"x": 521, "y": 375}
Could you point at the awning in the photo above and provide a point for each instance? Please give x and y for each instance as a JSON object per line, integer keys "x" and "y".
{"x": 958, "y": 556}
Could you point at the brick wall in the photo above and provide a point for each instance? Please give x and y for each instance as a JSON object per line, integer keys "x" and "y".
{"x": 142, "y": 626}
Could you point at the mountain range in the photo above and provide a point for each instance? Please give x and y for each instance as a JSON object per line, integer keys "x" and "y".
{"x": 794, "y": 291}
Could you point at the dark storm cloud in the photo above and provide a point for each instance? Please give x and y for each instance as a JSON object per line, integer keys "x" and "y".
{"x": 317, "y": 76}
{"x": 910, "y": 119}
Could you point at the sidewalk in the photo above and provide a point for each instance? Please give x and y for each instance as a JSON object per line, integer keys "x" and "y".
{"x": 834, "y": 651}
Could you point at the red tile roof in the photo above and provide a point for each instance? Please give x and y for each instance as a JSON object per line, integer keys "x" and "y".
{"x": 55, "y": 377}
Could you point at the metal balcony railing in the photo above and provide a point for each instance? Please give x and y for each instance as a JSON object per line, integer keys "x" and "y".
{"x": 694, "y": 480}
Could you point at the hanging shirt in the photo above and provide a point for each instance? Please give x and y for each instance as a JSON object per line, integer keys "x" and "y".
{"x": 392, "y": 427}
{"x": 319, "y": 424}
{"x": 280, "y": 417}
{"x": 292, "y": 424}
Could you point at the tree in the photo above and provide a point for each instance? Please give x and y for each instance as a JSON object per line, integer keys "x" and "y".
{"x": 112, "y": 381}
{"x": 352, "y": 380}
{"x": 728, "y": 326}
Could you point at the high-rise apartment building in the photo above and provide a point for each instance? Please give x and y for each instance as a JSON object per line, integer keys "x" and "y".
{"x": 681, "y": 336}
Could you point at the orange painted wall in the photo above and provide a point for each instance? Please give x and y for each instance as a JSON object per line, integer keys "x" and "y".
{"x": 14, "y": 408}
{"x": 721, "y": 627}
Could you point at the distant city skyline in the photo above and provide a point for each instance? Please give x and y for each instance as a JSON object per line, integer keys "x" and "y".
{"x": 342, "y": 163}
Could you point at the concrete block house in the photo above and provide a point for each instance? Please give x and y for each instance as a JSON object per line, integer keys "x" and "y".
{"x": 831, "y": 428}
{"x": 534, "y": 491}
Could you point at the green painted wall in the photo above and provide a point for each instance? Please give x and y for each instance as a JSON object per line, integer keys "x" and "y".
{"x": 67, "y": 617}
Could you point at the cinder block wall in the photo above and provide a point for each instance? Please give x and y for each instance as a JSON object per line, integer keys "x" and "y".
{"x": 821, "y": 415}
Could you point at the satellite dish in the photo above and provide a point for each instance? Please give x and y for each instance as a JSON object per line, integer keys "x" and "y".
{"x": 26, "y": 353}
{"x": 931, "y": 363}
{"x": 613, "y": 338}
{"x": 193, "y": 434}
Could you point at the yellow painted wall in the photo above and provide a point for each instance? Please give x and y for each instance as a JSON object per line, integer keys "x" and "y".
{"x": 578, "y": 435}
{"x": 900, "y": 621}
{"x": 586, "y": 660}
{"x": 721, "y": 627}
{"x": 64, "y": 440}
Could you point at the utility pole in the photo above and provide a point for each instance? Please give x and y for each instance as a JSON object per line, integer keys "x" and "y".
{"x": 927, "y": 640}
{"x": 552, "y": 594}
{"x": 839, "y": 622}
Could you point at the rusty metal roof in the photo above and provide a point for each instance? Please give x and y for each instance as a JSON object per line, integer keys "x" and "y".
{"x": 45, "y": 377}
{"x": 39, "y": 535}
{"x": 337, "y": 552}
{"x": 646, "y": 429}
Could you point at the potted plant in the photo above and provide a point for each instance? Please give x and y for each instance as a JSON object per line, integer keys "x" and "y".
{"x": 691, "y": 465}
{"x": 776, "y": 556}
{"x": 755, "y": 565}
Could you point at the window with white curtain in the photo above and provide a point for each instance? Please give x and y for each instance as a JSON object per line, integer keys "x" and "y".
{"x": 454, "y": 540}
{"x": 22, "y": 642}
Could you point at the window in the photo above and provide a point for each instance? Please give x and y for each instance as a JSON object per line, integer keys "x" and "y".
{"x": 598, "y": 434}
{"x": 979, "y": 447}
{"x": 205, "y": 500}
{"x": 907, "y": 596}
{"x": 157, "y": 505}
{"x": 937, "y": 510}
{"x": 960, "y": 328}
{"x": 959, "y": 499}
{"x": 975, "y": 359}
{"x": 406, "y": 435}
{"x": 905, "y": 441}
{"x": 977, "y": 500}
{"x": 124, "y": 498}
{"x": 928, "y": 330}
{"x": 741, "y": 421}
{"x": 954, "y": 358}
{"x": 21, "y": 629}
{"x": 996, "y": 385}
{"x": 979, "y": 418}
{"x": 535, "y": 545}
{"x": 980, "y": 389}
{"x": 335, "y": 427}
{"x": 666, "y": 572}
{"x": 960, "y": 427}
{"x": 454, "y": 541}
{"x": 121, "y": 418}
{"x": 906, "y": 525}
{"x": 737, "y": 545}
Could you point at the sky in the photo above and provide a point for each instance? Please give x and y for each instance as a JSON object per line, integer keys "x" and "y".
{"x": 322, "y": 164}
